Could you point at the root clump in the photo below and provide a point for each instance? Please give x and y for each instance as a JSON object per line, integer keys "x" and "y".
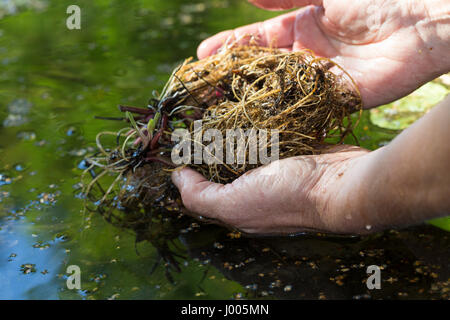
{"x": 306, "y": 99}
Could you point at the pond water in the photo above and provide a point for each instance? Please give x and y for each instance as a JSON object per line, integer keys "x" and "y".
{"x": 53, "y": 81}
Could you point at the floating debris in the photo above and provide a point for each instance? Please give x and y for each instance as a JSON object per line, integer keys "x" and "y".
{"x": 217, "y": 245}
{"x": 12, "y": 256}
{"x": 287, "y": 288}
{"x": 26, "y": 136}
{"x": 275, "y": 284}
{"x": 40, "y": 143}
{"x": 41, "y": 245}
{"x": 114, "y": 296}
{"x": 4, "y": 180}
{"x": 253, "y": 287}
{"x": 48, "y": 198}
{"x": 71, "y": 131}
{"x": 18, "y": 109}
{"x": 4, "y": 195}
{"x": 28, "y": 268}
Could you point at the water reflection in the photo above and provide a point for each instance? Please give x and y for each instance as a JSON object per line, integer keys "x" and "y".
{"x": 414, "y": 264}
{"x": 28, "y": 264}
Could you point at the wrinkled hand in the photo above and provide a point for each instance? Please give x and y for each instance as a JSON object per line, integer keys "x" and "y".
{"x": 286, "y": 196}
{"x": 348, "y": 190}
{"x": 389, "y": 47}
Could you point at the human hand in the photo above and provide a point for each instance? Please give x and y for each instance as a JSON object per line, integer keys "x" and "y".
{"x": 288, "y": 196}
{"x": 347, "y": 190}
{"x": 389, "y": 47}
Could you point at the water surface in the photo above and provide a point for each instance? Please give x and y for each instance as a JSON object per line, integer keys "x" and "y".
{"x": 53, "y": 81}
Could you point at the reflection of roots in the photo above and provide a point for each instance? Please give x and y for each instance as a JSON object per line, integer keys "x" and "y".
{"x": 307, "y": 99}
{"x": 156, "y": 221}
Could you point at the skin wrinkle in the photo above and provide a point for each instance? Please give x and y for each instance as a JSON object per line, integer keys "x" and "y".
{"x": 298, "y": 31}
{"x": 334, "y": 27}
{"x": 237, "y": 194}
{"x": 267, "y": 186}
{"x": 410, "y": 204}
{"x": 351, "y": 193}
{"x": 279, "y": 25}
{"x": 420, "y": 36}
{"x": 284, "y": 4}
{"x": 365, "y": 191}
{"x": 324, "y": 44}
{"x": 393, "y": 75}
{"x": 268, "y": 28}
{"x": 378, "y": 218}
{"x": 380, "y": 188}
{"x": 264, "y": 31}
{"x": 329, "y": 177}
{"x": 427, "y": 26}
{"x": 348, "y": 52}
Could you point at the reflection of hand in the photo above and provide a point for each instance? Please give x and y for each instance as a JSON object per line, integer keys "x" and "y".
{"x": 389, "y": 47}
{"x": 347, "y": 191}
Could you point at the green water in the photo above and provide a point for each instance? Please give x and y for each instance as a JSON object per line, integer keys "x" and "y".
{"x": 53, "y": 81}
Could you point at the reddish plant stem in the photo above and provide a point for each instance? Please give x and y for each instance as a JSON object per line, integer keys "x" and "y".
{"x": 137, "y": 110}
{"x": 155, "y": 140}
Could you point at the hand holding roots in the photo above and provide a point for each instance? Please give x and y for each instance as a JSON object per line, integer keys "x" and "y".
{"x": 307, "y": 99}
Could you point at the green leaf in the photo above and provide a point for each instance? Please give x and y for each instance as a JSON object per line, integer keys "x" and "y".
{"x": 132, "y": 121}
{"x": 153, "y": 122}
{"x": 443, "y": 223}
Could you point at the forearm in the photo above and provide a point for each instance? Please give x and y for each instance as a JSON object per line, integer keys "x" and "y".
{"x": 408, "y": 181}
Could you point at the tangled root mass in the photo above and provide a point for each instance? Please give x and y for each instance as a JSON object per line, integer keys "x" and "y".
{"x": 307, "y": 99}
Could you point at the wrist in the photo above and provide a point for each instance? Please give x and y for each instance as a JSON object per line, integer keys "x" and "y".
{"x": 361, "y": 208}
{"x": 393, "y": 193}
{"x": 347, "y": 209}
{"x": 374, "y": 197}
{"x": 383, "y": 199}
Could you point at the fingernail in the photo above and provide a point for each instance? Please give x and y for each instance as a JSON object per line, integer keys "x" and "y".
{"x": 202, "y": 49}
{"x": 177, "y": 177}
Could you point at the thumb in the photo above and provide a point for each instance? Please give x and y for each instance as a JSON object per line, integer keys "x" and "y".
{"x": 198, "y": 194}
{"x": 284, "y": 4}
